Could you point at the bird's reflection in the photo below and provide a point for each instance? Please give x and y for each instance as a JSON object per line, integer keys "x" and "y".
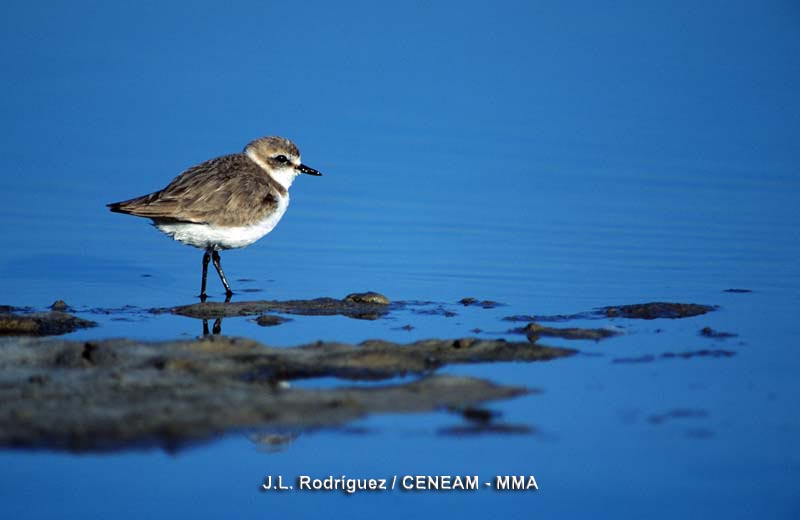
{"x": 216, "y": 329}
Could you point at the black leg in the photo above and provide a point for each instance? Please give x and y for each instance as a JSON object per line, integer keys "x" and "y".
{"x": 218, "y": 267}
{"x": 206, "y": 259}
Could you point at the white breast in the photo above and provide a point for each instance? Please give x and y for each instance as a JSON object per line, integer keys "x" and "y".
{"x": 206, "y": 236}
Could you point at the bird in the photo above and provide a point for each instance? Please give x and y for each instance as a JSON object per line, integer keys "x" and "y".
{"x": 228, "y": 202}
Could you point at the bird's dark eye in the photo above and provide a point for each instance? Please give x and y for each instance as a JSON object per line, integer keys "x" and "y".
{"x": 281, "y": 159}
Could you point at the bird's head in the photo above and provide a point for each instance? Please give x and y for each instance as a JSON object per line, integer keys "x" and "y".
{"x": 279, "y": 157}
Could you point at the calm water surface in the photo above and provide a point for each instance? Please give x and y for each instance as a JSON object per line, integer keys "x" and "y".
{"x": 554, "y": 159}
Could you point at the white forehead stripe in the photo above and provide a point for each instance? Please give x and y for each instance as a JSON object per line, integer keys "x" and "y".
{"x": 283, "y": 176}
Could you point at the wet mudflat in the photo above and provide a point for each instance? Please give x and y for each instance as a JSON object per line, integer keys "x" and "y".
{"x": 41, "y": 323}
{"x": 365, "y": 306}
{"x": 110, "y": 394}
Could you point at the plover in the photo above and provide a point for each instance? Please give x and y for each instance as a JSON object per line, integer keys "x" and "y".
{"x": 224, "y": 203}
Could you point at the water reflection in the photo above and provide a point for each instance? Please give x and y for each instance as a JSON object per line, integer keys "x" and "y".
{"x": 217, "y": 328}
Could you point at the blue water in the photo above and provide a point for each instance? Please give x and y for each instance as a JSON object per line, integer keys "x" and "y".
{"x": 554, "y": 157}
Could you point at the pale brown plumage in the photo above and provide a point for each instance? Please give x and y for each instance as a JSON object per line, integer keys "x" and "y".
{"x": 231, "y": 190}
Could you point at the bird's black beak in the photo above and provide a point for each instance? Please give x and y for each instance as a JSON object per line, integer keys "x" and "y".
{"x": 310, "y": 171}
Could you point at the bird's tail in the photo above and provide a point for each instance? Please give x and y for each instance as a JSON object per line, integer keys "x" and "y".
{"x": 135, "y": 206}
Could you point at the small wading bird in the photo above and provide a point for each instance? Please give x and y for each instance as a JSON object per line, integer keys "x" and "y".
{"x": 224, "y": 203}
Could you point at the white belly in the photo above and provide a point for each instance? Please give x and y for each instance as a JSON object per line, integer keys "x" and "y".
{"x": 206, "y": 236}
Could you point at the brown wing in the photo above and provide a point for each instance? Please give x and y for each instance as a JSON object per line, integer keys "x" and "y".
{"x": 227, "y": 191}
